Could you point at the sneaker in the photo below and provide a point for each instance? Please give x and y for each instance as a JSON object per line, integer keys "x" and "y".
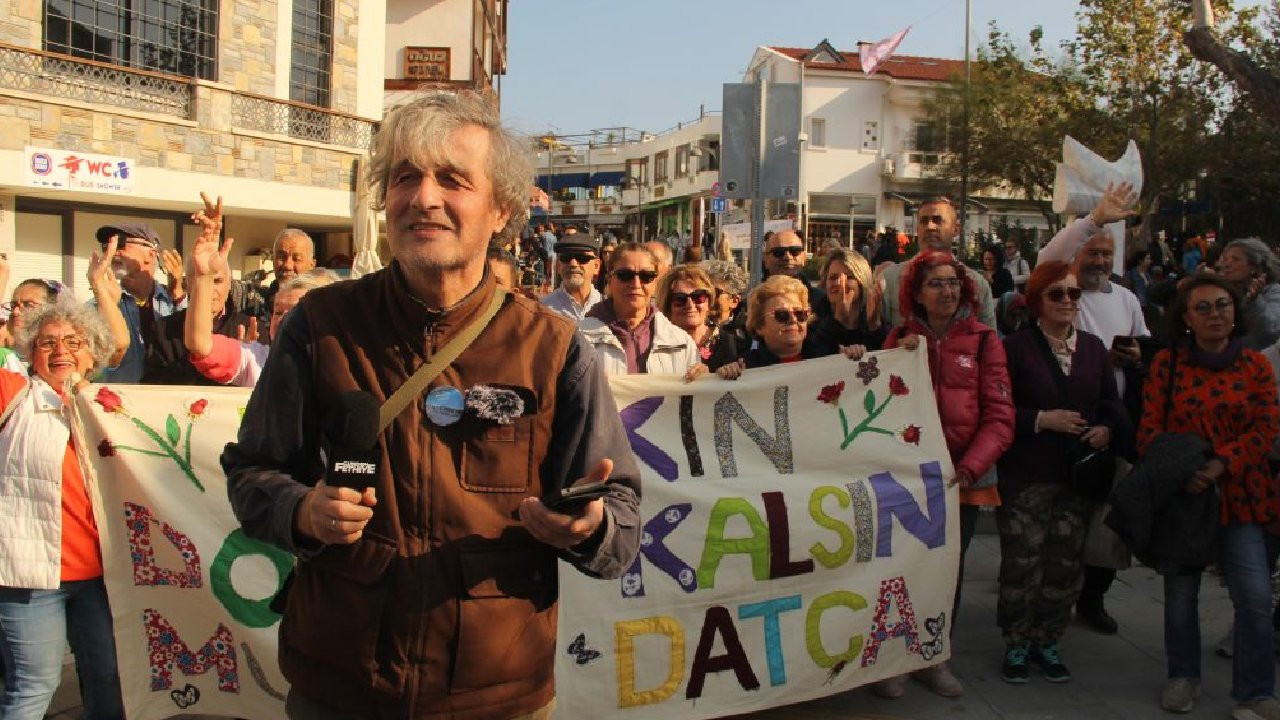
{"x": 1015, "y": 668}
{"x": 1265, "y": 709}
{"x": 890, "y": 688}
{"x": 940, "y": 680}
{"x": 1050, "y": 662}
{"x": 1180, "y": 695}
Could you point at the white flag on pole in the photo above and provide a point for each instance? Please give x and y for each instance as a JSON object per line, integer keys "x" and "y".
{"x": 872, "y": 55}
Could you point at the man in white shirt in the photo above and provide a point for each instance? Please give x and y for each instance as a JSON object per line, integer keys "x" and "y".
{"x": 577, "y": 263}
{"x": 1017, "y": 265}
{"x": 1114, "y": 314}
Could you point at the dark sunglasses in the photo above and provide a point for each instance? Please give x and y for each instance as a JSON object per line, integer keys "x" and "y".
{"x": 697, "y": 296}
{"x": 626, "y": 275}
{"x": 582, "y": 258}
{"x": 1057, "y": 294}
{"x": 786, "y": 316}
{"x": 779, "y": 253}
{"x": 1222, "y": 305}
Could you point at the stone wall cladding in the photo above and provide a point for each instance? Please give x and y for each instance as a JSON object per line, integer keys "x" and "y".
{"x": 345, "y": 76}
{"x": 247, "y": 53}
{"x": 155, "y": 143}
{"x": 20, "y": 23}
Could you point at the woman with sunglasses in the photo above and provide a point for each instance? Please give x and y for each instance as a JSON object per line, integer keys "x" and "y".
{"x": 629, "y": 335}
{"x": 51, "y": 588}
{"x": 685, "y": 296}
{"x": 850, "y": 312}
{"x": 1224, "y": 393}
{"x": 939, "y": 303}
{"x": 778, "y": 315}
{"x": 1065, "y": 394}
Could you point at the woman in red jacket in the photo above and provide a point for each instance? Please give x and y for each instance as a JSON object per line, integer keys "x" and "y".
{"x": 971, "y": 383}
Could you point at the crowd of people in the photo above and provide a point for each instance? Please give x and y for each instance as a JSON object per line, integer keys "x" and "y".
{"x": 1060, "y": 386}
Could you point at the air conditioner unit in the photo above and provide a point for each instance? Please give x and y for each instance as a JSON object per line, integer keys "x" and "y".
{"x": 889, "y": 167}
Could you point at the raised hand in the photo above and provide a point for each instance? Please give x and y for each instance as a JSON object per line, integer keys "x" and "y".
{"x": 171, "y": 261}
{"x": 248, "y": 333}
{"x": 1116, "y": 204}
{"x": 203, "y": 259}
{"x": 102, "y": 280}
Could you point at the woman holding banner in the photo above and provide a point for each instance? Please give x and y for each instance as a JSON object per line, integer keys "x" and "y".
{"x": 971, "y": 383}
{"x": 51, "y": 587}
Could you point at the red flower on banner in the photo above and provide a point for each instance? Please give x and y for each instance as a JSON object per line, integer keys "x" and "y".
{"x": 831, "y": 393}
{"x": 897, "y": 386}
{"x": 197, "y": 408}
{"x": 911, "y": 434}
{"x": 109, "y": 401}
{"x": 106, "y": 449}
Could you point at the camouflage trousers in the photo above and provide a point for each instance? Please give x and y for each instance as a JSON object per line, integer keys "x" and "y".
{"x": 1041, "y": 537}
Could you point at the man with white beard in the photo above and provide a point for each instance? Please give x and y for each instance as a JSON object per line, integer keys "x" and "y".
{"x": 577, "y": 263}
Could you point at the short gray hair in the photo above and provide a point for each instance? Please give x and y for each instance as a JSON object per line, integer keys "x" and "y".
{"x": 309, "y": 280}
{"x": 287, "y": 233}
{"x": 419, "y": 131}
{"x": 84, "y": 318}
{"x": 1259, "y": 256}
{"x": 731, "y": 275}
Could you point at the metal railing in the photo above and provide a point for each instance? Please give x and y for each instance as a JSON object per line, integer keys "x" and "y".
{"x": 65, "y": 76}
{"x": 305, "y": 122}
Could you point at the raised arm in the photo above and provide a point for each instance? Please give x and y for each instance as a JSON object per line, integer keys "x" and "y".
{"x": 106, "y": 292}
{"x": 1115, "y": 205}
{"x": 205, "y": 260}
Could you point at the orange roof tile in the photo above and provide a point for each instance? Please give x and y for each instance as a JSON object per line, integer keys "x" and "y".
{"x": 902, "y": 67}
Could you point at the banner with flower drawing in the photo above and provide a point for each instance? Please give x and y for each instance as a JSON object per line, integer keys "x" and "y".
{"x": 799, "y": 540}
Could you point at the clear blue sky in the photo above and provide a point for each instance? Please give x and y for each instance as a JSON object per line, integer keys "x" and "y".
{"x": 576, "y": 65}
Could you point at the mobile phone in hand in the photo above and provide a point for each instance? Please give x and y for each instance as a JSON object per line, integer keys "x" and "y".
{"x": 1125, "y": 341}
{"x": 571, "y": 500}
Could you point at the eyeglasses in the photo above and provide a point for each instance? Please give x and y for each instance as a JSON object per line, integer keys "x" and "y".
{"x": 582, "y": 258}
{"x": 779, "y": 253}
{"x": 23, "y": 306}
{"x": 1057, "y": 294}
{"x": 786, "y": 317}
{"x": 940, "y": 283}
{"x": 1206, "y": 308}
{"x": 697, "y": 296}
{"x": 130, "y": 241}
{"x": 627, "y": 275}
{"x": 71, "y": 342}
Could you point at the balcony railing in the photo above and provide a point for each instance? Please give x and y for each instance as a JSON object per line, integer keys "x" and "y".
{"x": 305, "y": 122}
{"x": 73, "y": 78}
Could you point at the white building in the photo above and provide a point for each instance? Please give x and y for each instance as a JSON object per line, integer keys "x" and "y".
{"x": 444, "y": 45}
{"x": 870, "y": 151}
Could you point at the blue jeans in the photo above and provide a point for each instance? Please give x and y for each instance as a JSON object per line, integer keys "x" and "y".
{"x": 35, "y": 627}
{"x": 1242, "y": 559}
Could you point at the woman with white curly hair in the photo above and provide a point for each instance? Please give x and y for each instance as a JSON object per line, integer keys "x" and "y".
{"x": 1251, "y": 266}
{"x": 51, "y": 588}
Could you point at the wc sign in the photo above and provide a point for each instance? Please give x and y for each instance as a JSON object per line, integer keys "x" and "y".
{"x": 85, "y": 172}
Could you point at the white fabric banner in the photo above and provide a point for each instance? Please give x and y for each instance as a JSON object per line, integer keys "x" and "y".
{"x": 799, "y": 540}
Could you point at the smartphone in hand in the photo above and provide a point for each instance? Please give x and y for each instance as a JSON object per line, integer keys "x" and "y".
{"x": 571, "y": 500}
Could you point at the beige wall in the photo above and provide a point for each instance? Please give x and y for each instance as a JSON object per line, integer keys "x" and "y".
{"x": 429, "y": 23}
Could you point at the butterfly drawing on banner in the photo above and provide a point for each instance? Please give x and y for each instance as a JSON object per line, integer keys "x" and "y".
{"x": 186, "y": 697}
{"x": 933, "y": 647}
{"x": 581, "y": 652}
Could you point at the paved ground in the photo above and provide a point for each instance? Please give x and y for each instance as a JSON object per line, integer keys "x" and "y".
{"x": 1116, "y": 677}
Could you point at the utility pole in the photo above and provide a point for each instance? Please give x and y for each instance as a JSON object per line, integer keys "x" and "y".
{"x": 964, "y": 135}
{"x": 757, "y": 162}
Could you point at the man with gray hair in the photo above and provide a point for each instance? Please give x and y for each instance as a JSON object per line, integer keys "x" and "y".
{"x": 430, "y": 590}
{"x": 662, "y": 251}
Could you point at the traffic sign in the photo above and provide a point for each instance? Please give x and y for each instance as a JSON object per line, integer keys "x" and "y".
{"x": 718, "y": 204}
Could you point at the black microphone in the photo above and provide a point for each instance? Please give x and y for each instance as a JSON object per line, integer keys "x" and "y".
{"x": 351, "y": 434}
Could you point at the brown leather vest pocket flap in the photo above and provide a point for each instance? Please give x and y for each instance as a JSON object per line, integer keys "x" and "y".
{"x": 364, "y": 561}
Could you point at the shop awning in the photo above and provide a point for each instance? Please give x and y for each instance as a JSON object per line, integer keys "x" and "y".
{"x": 561, "y": 181}
{"x": 606, "y": 178}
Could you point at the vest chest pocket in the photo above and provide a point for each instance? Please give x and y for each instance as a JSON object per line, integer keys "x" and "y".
{"x": 497, "y": 458}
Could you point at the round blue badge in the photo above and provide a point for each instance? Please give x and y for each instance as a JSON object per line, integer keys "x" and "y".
{"x": 444, "y": 405}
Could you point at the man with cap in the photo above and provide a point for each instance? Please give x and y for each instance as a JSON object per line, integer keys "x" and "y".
{"x": 143, "y": 300}
{"x": 577, "y": 264}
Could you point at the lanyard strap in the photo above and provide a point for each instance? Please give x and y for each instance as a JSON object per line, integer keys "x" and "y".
{"x": 431, "y": 370}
